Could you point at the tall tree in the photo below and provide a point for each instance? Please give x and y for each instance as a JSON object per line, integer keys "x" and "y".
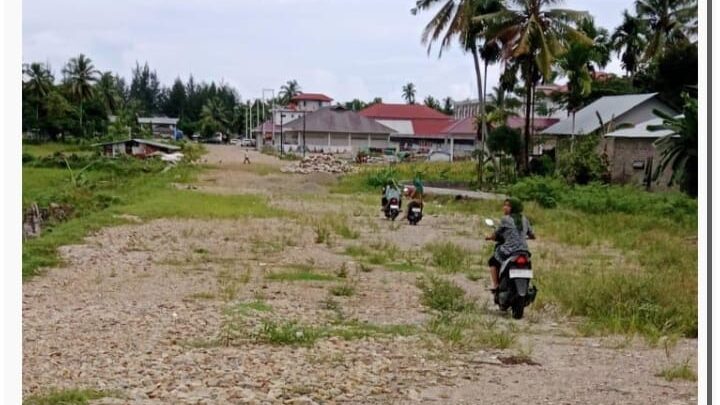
{"x": 433, "y": 103}
{"x": 455, "y": 20}
{"x": 175, "y": 101}
{"x": 679, "y": 149}
{"x": 448, "y": 107}
{"x": 629, "y": 40}
{"x": 533, "y": 35}
{"x": 38, "y": 84}
{"x": 215, "y": 117}
{"x": 146, "y": 89}
{"x": 80, "y": 74}
{"x": 408, "y": 93}
{"x": 289, "y": 90}
{"x": 106, "y": 90}
{"x": 669, "y": 20}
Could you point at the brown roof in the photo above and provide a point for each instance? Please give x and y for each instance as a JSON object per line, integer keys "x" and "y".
{"x": 337, "y": 119}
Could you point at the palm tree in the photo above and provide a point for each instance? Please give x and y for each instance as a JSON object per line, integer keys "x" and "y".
{"x": 575, "y": 65}
{"x": 448, "y": 107}
{"x": 453, "y": 20}
{"x": 408, "y": 93}
{"x": 214, "y": 117}
{"x": 679, "y": 149}
{"x": 288, "y": 91}
{"x": 669, "y": 20}
{"x": 107, "y": 91}
{"x": 80, "y": 75}
{"x": 533, "y": 36}
{"x": 38, "y": 85}
{"x": 601, "y": 48}
{"x": 501, "y": 106}
{"x": 433, "y": 103}
{"x": 629, "y": 40}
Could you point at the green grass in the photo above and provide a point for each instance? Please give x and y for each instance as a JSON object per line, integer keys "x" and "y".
{"x": 681, "y": 371}
{"x": 246, "y": 308}
{"x": 49, "y": 148}
{"x": 443, "y": 295}
{"x": 295, "y": 334}
{"x": 449, "y": 257}
{"x": 67, "y": 397}
{"x": 170, "y": 203}
{"x": 299, "y": 272}
{"x": 470, "y": 330}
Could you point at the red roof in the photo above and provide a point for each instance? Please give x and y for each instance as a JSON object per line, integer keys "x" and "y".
{"x": 426, "y": 122}
{"x": 465, "y": 128}
{"x": 402, "y": 112}
{"x": 311, "y": 97}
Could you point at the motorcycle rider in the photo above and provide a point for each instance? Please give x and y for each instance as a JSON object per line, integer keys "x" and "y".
{"x": 511, "y": 237}
{"x": 390, "y": 189}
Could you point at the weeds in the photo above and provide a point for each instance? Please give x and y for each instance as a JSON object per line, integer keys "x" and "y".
{"x": 322, "y": 234}
{"x": 67, "y": 397}
{"x": 443, "y": 295}
{"x": 344, "y": 290}
{"x": 300, "y": 272}
{"x": 681, "y": 371}
{"x": 449, "y": 257}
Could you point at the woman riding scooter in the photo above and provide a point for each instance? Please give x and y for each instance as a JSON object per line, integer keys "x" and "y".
{"x": 511, "y": 237}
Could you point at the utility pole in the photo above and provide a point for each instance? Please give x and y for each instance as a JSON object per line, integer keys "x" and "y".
{"x": 304, "y": 112}
{"x": 282, "y": 115}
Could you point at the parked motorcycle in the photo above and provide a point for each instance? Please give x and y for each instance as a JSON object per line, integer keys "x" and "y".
{"x": 415, "y": 208}
{"x": 391, "y": 202}
{"x": 516, "y": 290}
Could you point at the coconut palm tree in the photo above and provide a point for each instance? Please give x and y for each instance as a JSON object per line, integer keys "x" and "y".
{"x": 433, "y": 103}
{"x": 214, "y": 117}
{"x": 534, "y": 36}
{"x": 628, "y": 40}
{"x": 501, "y": 106}
{"x": 38, "y": 85}
{"x": 669, "y": 21}
{"x": 408, "y": 93}
{"x": 454, "y": 20}
{"x": 679, "y": 149}
{"x": 80, "y": 74}
{"x": 106, "y": 90}
{"x": 288, "y": 91}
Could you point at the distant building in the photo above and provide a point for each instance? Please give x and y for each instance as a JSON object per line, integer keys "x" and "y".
{"x": 141, "y": 148}
{"x": 163, "y": 127}
{"x": 335, "y": 130}
{"x": 310, "y": 101}
{"x": 417, "y": 126}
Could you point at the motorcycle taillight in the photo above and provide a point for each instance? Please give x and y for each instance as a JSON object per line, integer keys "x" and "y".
{"x": 522, "y": 260}
{"x": 394, "y": 200}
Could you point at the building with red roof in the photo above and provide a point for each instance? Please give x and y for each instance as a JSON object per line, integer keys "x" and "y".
{"x": 417, "y": 126}
{"x": 310, "y": 101}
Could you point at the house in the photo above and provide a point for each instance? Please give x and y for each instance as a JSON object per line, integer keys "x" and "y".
{"x": 141, "y": 148}
{"x": 310, "y": 101}
{"x": 461, "y": 137}
{"x": 163, "y": 127}
{"x": 614, "y": 111}
{"x": 632, "y": 155}
{"x": 334, "y": 130}
{"x": 416, "y": 126}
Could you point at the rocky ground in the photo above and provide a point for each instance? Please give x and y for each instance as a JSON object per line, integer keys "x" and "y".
{"x": 178, "y": 311}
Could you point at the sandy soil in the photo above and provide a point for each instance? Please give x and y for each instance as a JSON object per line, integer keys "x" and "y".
{"x": 136, "y": 309}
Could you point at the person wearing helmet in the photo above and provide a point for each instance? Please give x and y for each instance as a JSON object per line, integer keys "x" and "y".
{"x": 511, "y": 237}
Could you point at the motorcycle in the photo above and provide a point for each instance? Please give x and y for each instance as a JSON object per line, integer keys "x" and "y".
{"x": 391, "y": 203}
{"x": 516, "y": 290}
{"x": 415, "y": 208}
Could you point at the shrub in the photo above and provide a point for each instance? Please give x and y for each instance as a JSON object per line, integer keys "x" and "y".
{"x": 443, "y": 295}
{"x": 583, "y": 164}
{"x": 544, "y": 190}
{"x": 449, "y": 256}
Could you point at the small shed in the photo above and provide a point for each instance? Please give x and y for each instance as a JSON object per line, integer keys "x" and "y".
{"x": 141, "y": 148}
{"x": 633, "y": 156}
{"x": 164, "y": 127}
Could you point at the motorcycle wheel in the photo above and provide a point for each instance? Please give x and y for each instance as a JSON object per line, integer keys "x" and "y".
{"x": 518, "y": 308}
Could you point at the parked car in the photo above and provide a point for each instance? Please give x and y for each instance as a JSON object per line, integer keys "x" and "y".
{"x": 247, "y": 142}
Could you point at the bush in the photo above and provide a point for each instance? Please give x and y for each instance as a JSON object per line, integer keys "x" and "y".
{"x": 545, "y": 191}
{"x": 542, "y": 166}
{"x": 443, "y": 295}
{"x": 583, "y": 165}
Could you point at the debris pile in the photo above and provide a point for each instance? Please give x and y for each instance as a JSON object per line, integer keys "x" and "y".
{"x": 319, "y": 164}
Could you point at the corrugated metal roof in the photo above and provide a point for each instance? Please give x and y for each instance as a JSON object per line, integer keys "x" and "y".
{"x": 609, "y": 108}
{"x": 402, "y": 111}
{"x": 158, "y": 120}
{"x": 641, "y": 131}
{"x": 400, "y": 126}
{"x": 338, "y": 119}
{"x": 311, "y": 97}
{"x": 143, "y": 141}
{"x": 539, "y": 123}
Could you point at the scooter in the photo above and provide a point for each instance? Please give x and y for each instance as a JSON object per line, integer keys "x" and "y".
{"x": 391, "y": 202}
{"x": 516, "y": 290}
{"x": 415, "y": 208}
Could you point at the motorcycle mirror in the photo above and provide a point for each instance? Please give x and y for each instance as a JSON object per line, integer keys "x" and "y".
{"x": 489, "y": 222}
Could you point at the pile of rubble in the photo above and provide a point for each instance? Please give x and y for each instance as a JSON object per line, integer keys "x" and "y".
{"x": 319, "y": 164}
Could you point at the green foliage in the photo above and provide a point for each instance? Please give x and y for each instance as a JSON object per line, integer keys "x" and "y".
{"x": 448, "y": 256}
{"x": 299, "y": 273}
{"x": 443, "y": 295}
{"x": 344, "y": 290}
{"x": 546, "y": 191}
{"x": 582, "y": 164}
{"x": 681, "y": 371}
{"x": 504, "y": 139}
{"x": 288, "y": 333}
{"x": 66, "y": 397}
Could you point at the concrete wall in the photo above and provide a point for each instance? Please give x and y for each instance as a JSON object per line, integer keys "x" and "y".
{"x": 624, "y": 153}
{"x": 339, "y": 142}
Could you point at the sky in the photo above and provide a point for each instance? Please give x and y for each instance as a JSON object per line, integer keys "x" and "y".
{"x": 344, "y": 48}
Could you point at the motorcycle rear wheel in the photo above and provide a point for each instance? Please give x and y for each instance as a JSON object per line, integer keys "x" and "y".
{"x": 518, "y": 309}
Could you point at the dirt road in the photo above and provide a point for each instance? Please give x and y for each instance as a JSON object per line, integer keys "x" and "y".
{"x": 192, "y": 312}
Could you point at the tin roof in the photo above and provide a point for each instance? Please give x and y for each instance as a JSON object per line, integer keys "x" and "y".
{"x": 337, "y": 119}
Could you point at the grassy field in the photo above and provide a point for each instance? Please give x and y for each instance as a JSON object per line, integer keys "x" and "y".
{"x": 107, "y": 190}
{"x": 631, "y": 257}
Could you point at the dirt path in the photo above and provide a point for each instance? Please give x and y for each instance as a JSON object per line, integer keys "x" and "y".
{"x": 179, "y": 311}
